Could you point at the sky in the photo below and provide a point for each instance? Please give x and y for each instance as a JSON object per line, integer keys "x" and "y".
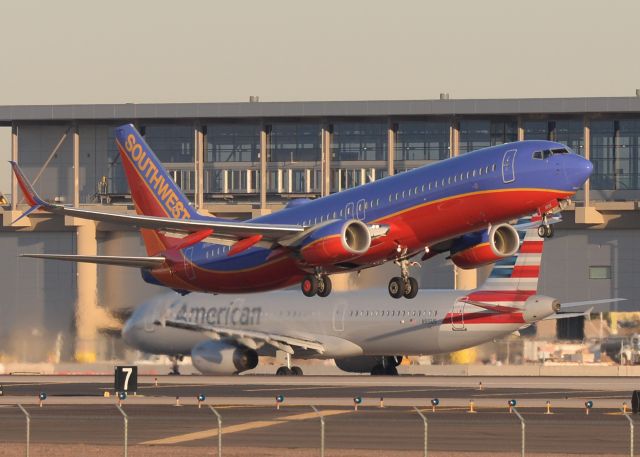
{"x": 73, "y": 51}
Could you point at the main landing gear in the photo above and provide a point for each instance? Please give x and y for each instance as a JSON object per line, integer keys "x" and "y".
{"x": 316, "y": 284}
{"x": 404, "y": 285}
{"x": 175, "y": 368}
{"x": 288, "y": 370}
{"x": 545, "y": 230}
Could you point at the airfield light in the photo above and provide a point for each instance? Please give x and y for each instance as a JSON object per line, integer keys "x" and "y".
{"x": 356, "y": 402}
{"x": 434, "y": 402}
{"x": 1, "y": 390}
{"x": 201, "y": 399}
{"x": 42, "y": 397}
{"x": 279, "y": 399}
{"x": 587, "y": 406}
{"x": 512, "y": 404}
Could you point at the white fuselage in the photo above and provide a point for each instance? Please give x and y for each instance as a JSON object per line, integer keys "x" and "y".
{"x": 365, "y": 322}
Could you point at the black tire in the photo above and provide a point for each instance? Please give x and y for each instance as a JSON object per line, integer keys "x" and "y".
{"x": 324, "y": 286}
{"x": 549, "y": 231}
{"x": 411, "y": 288}
{"x": 396, "y": 287}
{"x": 283, "y": 371}
{"x": 309, "y": 286}
{"x": 542, "y": 231}
{"x": 296, "y": 371}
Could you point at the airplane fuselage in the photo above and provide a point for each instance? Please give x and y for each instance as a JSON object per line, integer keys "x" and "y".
{"x": 419, "y": 208}
{"x": 366, "y": 322}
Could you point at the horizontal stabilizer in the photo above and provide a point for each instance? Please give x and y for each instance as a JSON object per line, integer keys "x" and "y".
{"x": 579, "y": 304}
{"x": 123, "y": 261}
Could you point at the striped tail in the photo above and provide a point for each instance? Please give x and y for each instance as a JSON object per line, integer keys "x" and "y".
{"x": 522, "y": 270}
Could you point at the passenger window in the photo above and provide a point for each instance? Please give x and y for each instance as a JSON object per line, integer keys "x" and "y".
{"x": 493, "y": 167}
{"x": 480, "y": 172}
{"x": 423, "y": 188}
{"x": 486, "y": 170}
{"x": 467, "y": 175}
{"x": 473, "y": 173}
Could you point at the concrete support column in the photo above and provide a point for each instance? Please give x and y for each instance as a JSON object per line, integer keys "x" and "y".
{"x": 263, "y": 168}
{"x": 198, "y": 197}
{"x": 307, "y": 180}
{"x": 249, "y": 181}
{"x": 76, "y": 166}
{"x": 454, "y": 138}
{"x": 391, "y": 148}
{"x": 465, "y": 279}
{"x": 586, "y": 142}
{"x": 14, "y": 157}
{"x": 325, "y": 187}
{"x": 587, "y": 214}
{"x": 520, "y": 129}
{"x": 87, "y": 288}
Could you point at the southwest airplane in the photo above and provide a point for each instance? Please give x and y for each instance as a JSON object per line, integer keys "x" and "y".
{"x": 364, "y": 331}
{"x": 460, "y": 205}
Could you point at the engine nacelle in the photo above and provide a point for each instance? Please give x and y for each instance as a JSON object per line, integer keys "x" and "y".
{"x": 365, "y": 363}
{"x": 222, "y": 358}
{"x": 338, "y": 241}
{"x": 484, "y": 247}
{"x": 538, "y": 307}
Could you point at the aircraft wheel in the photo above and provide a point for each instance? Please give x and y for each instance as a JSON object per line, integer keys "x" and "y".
{"x": 549, "y": 231}
{"x": 296, "y": 371}
{"x": 411, "y": 288}
{"x": 396, "y": 287}
{"x": 309, "y": 286}
{"x": 542, "y": 231}
{"x": 324, "y": 286}
{"x": 284, "y": 371}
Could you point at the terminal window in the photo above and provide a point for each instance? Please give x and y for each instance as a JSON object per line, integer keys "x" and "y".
{"x": 599, "y": 272}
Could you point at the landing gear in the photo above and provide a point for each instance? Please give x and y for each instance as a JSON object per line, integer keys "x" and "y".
{"x": 288, "y": 370}
{"x": 284, "y": 371}
{"x": 545, "y": 230}
{"x": 404, "y": 285}
{"x": 380, "y": 370}
{"x": 318, "y": 283}
{"x": 175, "y": 368}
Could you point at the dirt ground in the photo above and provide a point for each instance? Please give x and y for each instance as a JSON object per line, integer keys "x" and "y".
{"x": 54, "y": 450}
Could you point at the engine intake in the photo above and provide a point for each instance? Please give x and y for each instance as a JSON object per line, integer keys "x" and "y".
{"x": 338, "y": 241}
{"x": 222, "y": 358}
{"x": 482, "y": 248}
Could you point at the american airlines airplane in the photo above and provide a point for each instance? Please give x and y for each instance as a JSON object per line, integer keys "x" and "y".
{"x": 460, "y": 206}
{"x": 364, "y": 331}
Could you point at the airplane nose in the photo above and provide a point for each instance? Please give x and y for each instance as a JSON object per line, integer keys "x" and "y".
{"x": 577, "y": 169}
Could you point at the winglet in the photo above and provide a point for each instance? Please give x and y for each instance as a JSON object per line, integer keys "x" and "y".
{"x": 29, "y": 194}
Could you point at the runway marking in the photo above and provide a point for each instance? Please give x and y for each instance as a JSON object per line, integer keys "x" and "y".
{"x": 241, "y": 427}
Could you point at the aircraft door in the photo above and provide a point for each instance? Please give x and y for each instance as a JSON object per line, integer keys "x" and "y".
{"x": 349, "y": 211}
{"x": 508, "y": 168}
{"x": 360, "y": 210}
{"x": 457, "y": 316}
{"x": 339, "y": 312}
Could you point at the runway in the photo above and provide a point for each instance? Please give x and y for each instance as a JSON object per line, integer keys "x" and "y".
{"x": 77, "y": 413}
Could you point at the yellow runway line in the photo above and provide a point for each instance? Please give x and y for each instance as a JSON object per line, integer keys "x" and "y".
{"x": 241, "y": 427}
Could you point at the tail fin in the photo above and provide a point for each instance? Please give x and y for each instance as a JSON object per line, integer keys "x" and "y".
{"x": 153, "y": 191}
{"x": 521, "y": 271}
{"x": 30, "y": 195}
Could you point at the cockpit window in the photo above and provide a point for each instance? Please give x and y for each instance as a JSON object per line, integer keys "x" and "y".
{"x": 547, "y": 153}
{"x": 559, "y": 151}
{"x": 537, "y": 155}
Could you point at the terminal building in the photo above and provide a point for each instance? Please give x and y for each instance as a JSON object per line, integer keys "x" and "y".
{"x": 241, "y": 160}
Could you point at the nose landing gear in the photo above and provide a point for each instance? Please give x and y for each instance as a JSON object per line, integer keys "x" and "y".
{"x": 545, "y": 230}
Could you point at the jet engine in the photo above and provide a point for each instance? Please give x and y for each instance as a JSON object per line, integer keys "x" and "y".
{"x": 338, "y": 241}
{"x": 484, "y": 247}
{"x": 368, "y": 363}
{"x": 222, "y": 358}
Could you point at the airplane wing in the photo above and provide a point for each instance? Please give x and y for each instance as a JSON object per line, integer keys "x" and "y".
{"x": 223, "y": 229}
{"x": 568, "y": 315}
{"x": 123, "y": 261}
{"x": 250, "y": 338}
